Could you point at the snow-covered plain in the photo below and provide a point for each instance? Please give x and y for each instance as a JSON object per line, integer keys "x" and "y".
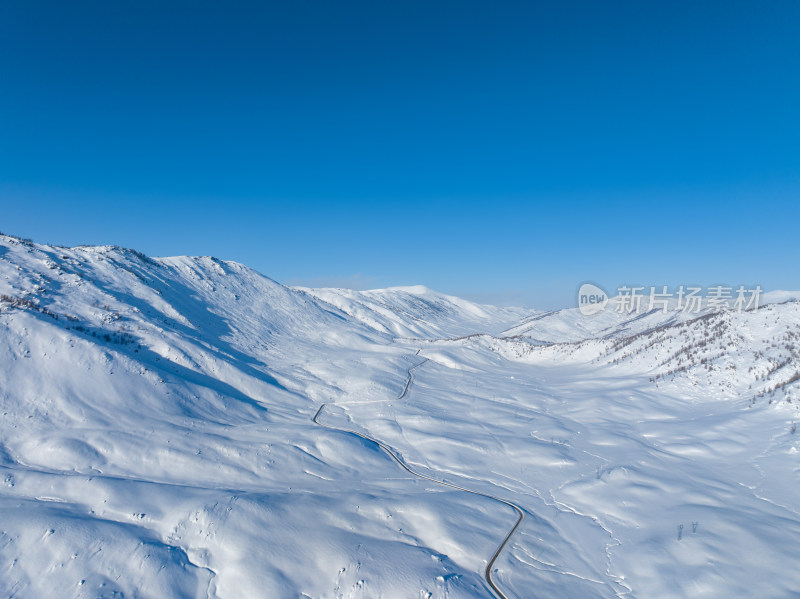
{"x": 157, "y": 439}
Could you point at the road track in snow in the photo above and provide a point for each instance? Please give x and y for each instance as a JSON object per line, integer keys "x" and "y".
{"x": 487, "y": 574}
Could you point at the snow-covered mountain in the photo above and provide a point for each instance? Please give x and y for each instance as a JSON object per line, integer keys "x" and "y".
{"x": 618, "y": 320}
{"x": 419, "y": 312}
{"x": 160, "y": 437}
{"x": 753, "y": 353}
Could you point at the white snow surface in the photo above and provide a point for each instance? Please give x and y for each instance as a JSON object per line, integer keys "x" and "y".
{"x": 157, "y": 440}
{"x": 418, "y": 312}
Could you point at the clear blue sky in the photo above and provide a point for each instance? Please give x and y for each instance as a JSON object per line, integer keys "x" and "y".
{"x": 504, "y": 151}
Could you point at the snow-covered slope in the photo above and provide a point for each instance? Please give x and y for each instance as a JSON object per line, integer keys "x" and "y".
{"x": 570, "y": 325}
{"x": 754, "y": 353}
{"x": 157, "y": 439}
{"x": 419, "y": 312}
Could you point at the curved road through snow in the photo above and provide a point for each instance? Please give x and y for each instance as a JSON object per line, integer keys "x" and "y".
{"x": 520, "y": 514}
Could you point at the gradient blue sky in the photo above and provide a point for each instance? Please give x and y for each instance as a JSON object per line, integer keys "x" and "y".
{"x": 503, "y": 151}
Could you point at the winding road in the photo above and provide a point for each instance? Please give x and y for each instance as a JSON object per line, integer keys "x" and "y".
{"x": 520, "y": 514}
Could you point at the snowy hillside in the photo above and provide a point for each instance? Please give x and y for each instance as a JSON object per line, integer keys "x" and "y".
{"x": 751, "y": 354}
{"x": 419, "y": 312}
{"x": 616, "y": 320}
{"x": 178, "y": 427}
